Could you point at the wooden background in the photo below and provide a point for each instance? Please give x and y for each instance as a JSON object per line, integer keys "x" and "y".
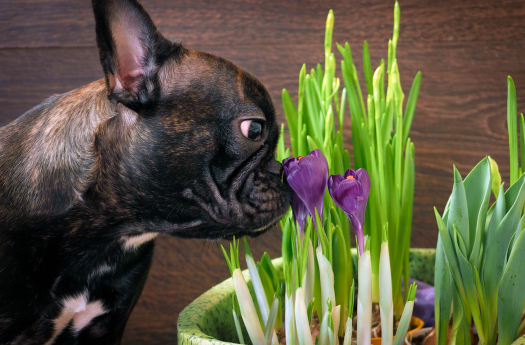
{"x": 464, "y": 48}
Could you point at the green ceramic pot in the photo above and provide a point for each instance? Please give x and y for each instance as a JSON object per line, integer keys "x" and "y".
{"x": 208, "y": 320}
{"x": 519, "y": 341}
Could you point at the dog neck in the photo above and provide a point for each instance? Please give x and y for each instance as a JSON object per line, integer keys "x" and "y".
{"x": 55, "y": 141}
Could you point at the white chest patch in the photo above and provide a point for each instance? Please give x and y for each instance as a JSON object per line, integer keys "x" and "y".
{"x": 133, "y": 242}
{"x": 79, "y": 311}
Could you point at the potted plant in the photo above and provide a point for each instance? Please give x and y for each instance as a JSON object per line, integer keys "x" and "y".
{"x": 322, "y": 218}
{"x": 481, "y": 250}
{"x": 381, "y": 144}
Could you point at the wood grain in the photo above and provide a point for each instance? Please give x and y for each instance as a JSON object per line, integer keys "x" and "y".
{"x": 464, "y": 48}
{"x": 44, "y": 23}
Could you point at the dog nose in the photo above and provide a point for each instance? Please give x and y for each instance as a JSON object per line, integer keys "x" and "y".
{"x": 275, "y": 168}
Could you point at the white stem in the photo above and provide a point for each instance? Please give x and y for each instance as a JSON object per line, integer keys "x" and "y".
{"x": 402, "y": 329}
{"x": 386, "y": 306}
{"x": 323, "y": 330}
{"x": 258, "y": 288}
{"x": 309, "y": 277}
{"x": 301, "y": 319}
{"x": 336, "y": 317}
{"x": 238, "y": 327}
{"x": 289, "y": 321}
{"x": 270, "y": 325}
{"x": 348, "y": 332}
{"x": 327, "y": 280}
{"x": 247, "y": 307}
{"x": 364, "y": 300}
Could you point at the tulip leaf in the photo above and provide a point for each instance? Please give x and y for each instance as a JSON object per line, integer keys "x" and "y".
{"x": 495, "y": 176}
{"x": 458, "y": 211}
{"x": 478, "y": 185}
{"x": 469, "y": 280}
{"x": 443, "y": 303}
{"x": 512, "y": 193}
{"x": 498, "y": 212}
{"x": 450, "y": 254}
{"x": 510, "y": 296}
{"x": 495, "y": 252}
{"x": 522, "y": 142}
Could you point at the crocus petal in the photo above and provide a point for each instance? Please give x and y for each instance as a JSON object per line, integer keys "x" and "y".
{"x": 308, "y": 177}
{"x": 344, "y": 195}
{"x": 364, "y": 178}
{"x": 351, "y": 195}
{"x": 334, "y": 181}
{"x": 350, "y": 172}
{"x": 320, "y": 155}
{"x": 299, "y": 211}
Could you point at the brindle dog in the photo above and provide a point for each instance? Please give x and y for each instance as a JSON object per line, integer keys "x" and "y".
{"x": 170, "y": 141}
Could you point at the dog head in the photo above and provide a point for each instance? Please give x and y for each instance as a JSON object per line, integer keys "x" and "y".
{"x": 196, "y": 157}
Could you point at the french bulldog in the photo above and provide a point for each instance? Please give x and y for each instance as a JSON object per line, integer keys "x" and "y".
{"x": 171, "y": 140}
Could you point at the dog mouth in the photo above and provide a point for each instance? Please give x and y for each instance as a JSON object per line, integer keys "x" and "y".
{"x": 254, "y": 201}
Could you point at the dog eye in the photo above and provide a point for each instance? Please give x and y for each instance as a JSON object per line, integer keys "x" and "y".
{"x": 252, "y": 129}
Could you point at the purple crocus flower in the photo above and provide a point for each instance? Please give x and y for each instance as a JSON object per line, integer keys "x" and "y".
{"x": 350, "y": 193}
{"x": 307, "y": 176}
{"x": 299, "y": 211}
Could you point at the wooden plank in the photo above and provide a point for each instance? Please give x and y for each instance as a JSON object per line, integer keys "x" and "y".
{"x": 52, "y": 23}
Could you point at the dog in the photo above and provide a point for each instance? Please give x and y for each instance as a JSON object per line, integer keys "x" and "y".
{"x": 171, "y": 140}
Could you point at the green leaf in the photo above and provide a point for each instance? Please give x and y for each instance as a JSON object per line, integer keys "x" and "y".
{"x": 270, "y": 325}
{"x": 512, "y": 113}
{"x": 495, "y": 177}
{"x": 312, "y": 145}
{"x": 458, "y": 214}
{"x": 510, "y": 296}
{"x": 512, "y": 193}
{"x": 469, "y": 281}
{"x": 286, "y": 246}
{"x": 450, "y": 253}
{"x": 367, "y": 66}
{"x": 443, "y": 299}
{"x": 339, "y": 264}
{"x": 402, "y": 328}
{"x": 267, "y": 264}
{"x": 477, "y": 189}
{"x": 267, "y": 283}
{"x": 522, "y": 141}
{"x": 495, "y": 252}
{"x": 236, "y": 311}
{"x": 291, "y": 114}
{"x": 411, "y": 105}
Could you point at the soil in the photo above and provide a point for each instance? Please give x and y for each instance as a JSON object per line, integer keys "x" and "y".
{"x": 315, "y": 325}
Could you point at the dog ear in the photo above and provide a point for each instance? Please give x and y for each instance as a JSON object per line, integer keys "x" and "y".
{"x": 131, "y": 51}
